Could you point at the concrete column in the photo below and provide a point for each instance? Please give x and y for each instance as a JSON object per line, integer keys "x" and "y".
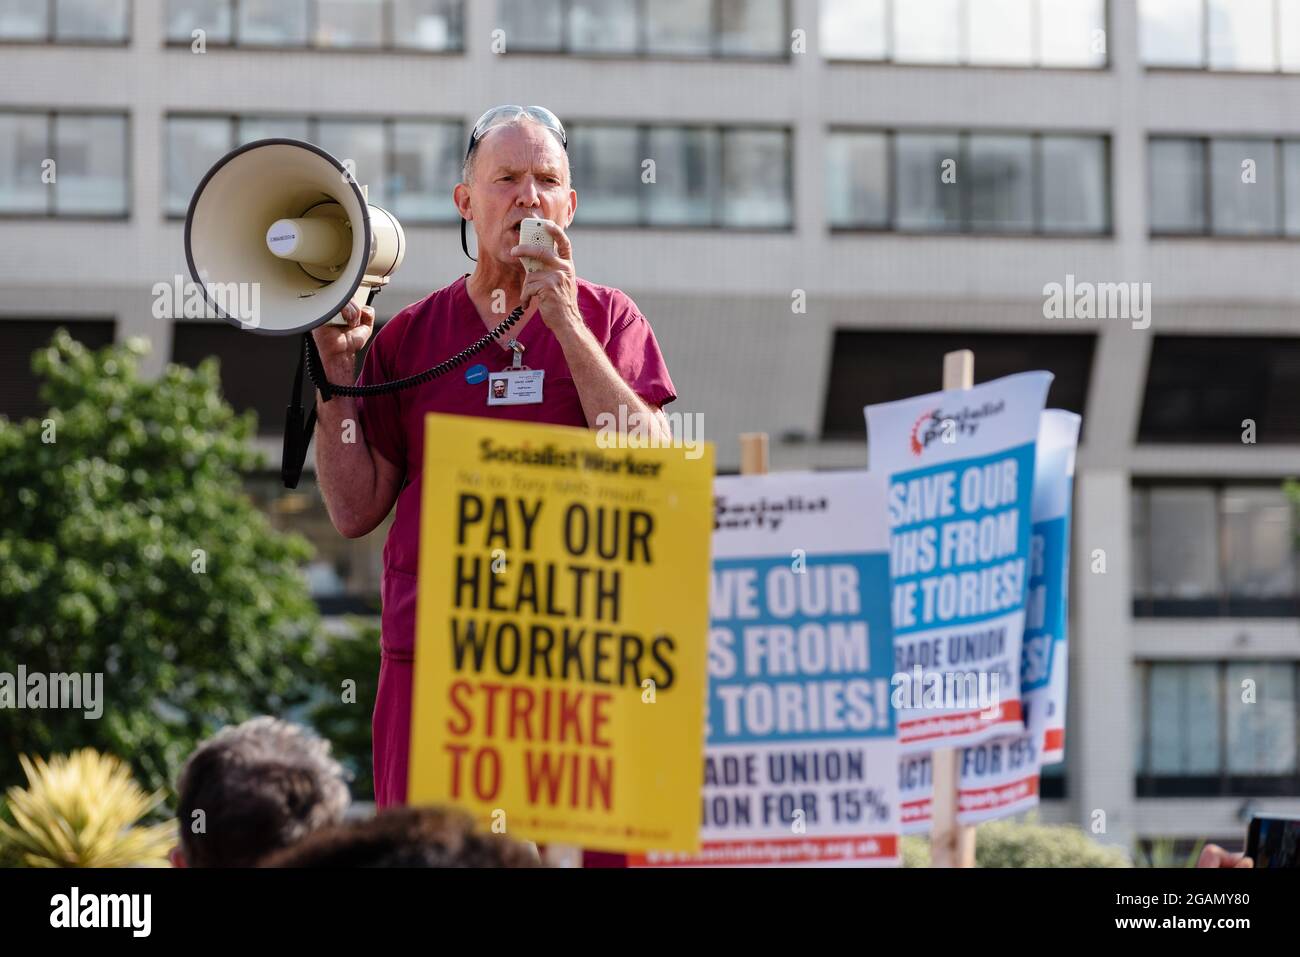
{"x": 1100, "y": 743}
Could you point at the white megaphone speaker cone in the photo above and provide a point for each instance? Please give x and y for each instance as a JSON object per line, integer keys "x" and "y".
{"x": 280, "y": 237}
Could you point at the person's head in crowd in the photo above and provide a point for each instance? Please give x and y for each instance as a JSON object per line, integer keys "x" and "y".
{"x": 407, "y": 837}
{"x": 261, "y": 786}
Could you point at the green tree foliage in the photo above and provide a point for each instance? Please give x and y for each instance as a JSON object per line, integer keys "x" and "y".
{"x": 341, "y": 712}
{"x": 128, "y": 547}
{"x": 1026, "y": 844}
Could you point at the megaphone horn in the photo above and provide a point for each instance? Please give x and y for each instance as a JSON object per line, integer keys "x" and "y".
{"x": 288, "y": 219}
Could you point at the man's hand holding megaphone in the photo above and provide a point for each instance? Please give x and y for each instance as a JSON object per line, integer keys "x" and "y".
{"x": 340, "y": 345}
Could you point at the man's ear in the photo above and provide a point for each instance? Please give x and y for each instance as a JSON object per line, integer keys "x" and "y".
{"x": 573, "y": 207}
{"x": 460, "y": 196}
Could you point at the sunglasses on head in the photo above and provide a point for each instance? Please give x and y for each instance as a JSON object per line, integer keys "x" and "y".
{"x": 501, "y": 115}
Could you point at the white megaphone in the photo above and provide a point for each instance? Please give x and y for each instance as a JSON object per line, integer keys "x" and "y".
{"x": 289, "y": 217}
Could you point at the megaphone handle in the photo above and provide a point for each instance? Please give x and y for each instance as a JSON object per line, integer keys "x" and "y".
{"x": 364, "y": 292}
{"x": 297, "y": 435}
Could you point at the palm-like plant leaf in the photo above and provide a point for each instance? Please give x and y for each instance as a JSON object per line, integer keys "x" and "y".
{"x": 83, "y": 810}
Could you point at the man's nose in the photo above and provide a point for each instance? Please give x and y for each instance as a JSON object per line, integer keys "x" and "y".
{"x": 528, "y": 196}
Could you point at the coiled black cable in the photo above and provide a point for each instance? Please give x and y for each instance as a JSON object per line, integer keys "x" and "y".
{"x": 328, "y": 389}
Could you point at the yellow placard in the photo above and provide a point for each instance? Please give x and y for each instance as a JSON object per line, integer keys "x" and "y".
{"x": 561, "y": 633}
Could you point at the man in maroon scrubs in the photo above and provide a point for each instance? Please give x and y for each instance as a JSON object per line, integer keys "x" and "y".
{"x": 597, "y": 350}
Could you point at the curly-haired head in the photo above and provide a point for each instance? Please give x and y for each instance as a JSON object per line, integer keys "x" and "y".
{"x": 407, "y": 837}
{"x": 261, "y": 786}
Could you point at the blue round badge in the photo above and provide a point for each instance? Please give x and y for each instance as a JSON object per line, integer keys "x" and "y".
{"x": 476, "y": 373}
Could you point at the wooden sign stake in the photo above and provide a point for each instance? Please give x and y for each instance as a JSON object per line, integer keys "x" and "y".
{"x": 951, "y": 844}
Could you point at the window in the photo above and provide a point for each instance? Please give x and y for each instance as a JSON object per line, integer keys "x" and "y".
{"x": 410, "y": 165}
{"x": 66, "y": 21}
{"x": 1224, "y": 186}
{"x": 63, "y": 164}
{"x": 359, "y": 145}
{"x": 1000, "y": 32}
{"x": 968, "y": 182}
{"x": 425, "y": 169}
{"x": 734, "y": 177}
{"x": 1288, "y": 21}
{"x": 927, "y": 31}
{"x": 429, "y": 24}
{"x": 679, "y": 27}
{"x": 24, "y": 147}
{"x": 1177, "y": 186}
{"x": 532, "y": 24}
{"x": 1072, "y": 33}
{"x": 349, "y": 23}
{"x": 193, "y": 146}
{"x": 854, "y": 30}
{"x": 673, "y": 28}
{"x": 1001, "y": 183}
{"x": 1244, "y": 191}
{"x": 19, "y": 385}
{"x": 1261, "y": 734}
{"x": 25, "y": 19}
{"x": 1024, "y": 33}
{"x": 686, "y": 176}
{"x": 1201, "y": 388}
{"x": 606, "y": 164}
{"x": 925, "y": 200}
{"x": 1213, "y": 549}
{"x": 1291, "y": 185}
{"x": 1258, "y": 542}
{"x": 1199, "y": 738}
{"x": 857, "y": 180}
{"x": 1139, "y": 536}
{"x": 213, "y": 17}
{"x": 91, "y": 155}
{"x": 870, "y": 367}
{"x": 1181, "y": 523}
{"x": 1241, "y": 35}
{"x": 602, "y": 26}
{"x": 321, "y": 24}
{"x": 104, "y": 21}
{"x": 1172, "y": 32}
{"x": 752, "y": 28}
{"x": 280, "y": 23}
{"x": 1074, "y": 186}
{"x": 755, "y": 179}
{"x": 1234, "y": 35}
{"x": 1183, "y": 727}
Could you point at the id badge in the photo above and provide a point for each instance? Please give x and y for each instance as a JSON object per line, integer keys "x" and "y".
{"x": 515, "y": 387}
